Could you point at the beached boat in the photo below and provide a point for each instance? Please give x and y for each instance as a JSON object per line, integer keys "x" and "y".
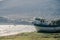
{"x": 47, "y": 26}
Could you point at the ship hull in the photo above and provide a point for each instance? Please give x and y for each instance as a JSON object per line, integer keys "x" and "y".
{"x": 48, "y": 29}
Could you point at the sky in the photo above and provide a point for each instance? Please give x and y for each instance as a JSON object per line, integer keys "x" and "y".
{"x": 30, "y": 8}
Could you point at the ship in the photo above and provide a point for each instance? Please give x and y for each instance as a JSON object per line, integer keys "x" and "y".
{"x": 42, "y": 25}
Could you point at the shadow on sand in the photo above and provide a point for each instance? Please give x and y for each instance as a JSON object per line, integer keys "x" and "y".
{"x": 42, "y": 31}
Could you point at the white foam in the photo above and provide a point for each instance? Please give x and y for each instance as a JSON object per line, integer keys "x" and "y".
{"x": 6, "y": 30}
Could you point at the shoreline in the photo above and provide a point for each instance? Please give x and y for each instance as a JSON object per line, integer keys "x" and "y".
{"x": 6, "y": 30}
